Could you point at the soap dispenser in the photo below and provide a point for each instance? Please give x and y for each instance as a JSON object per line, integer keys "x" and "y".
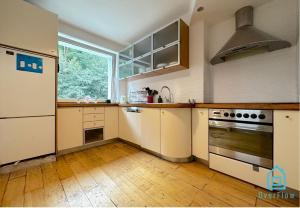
{"x": 160, "y": 100}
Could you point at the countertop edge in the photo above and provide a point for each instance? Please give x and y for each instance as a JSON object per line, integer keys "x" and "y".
{"x": 70, "y": 104}
{"x": 159, "y": 105}
{"x": 258, "y": 106}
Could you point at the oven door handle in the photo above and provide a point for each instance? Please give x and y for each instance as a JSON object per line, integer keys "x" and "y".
{"x": 243, "y": 126}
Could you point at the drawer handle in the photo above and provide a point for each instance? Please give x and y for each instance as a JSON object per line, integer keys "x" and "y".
{"x": 287, "y": 116}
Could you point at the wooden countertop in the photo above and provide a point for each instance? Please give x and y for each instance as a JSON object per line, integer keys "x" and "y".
{"x": 263, "y": 106}
{"x": 74, "y": 104}
{"x": 158, "y": 105}
{"x": 259, "y": 106}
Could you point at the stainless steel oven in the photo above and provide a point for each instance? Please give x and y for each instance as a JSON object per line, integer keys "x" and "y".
{"x": 244, "y": 135}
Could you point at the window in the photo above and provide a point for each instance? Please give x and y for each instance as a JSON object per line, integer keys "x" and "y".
{"x": 84, "y": 73}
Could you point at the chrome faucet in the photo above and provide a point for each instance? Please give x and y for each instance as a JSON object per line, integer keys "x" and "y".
{"x": 169, "y": 99}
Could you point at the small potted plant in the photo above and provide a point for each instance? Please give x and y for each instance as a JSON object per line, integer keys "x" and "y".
{"x": 151, "y": 94}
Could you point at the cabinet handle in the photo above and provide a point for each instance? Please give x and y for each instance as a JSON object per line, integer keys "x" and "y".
{"x": 287, "y": 116}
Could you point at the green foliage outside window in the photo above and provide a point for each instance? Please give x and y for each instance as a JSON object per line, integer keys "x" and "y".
{"x": 83, "y": 74}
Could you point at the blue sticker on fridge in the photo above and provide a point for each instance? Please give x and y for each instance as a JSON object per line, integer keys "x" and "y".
{"x": 29, "y": 63}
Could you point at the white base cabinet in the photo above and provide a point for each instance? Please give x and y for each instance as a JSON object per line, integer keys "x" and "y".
{"x": 176, "y": 139}
{"x": 286, "y": 145}
{"x": 150, "y": 138}
{"x": 130, "y": 126}
{"x": 69, "y": 128}
{"x": 200, "y": 133}
{"x": 111, "y": 120}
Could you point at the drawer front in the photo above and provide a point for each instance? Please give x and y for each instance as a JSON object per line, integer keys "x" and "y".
{"x": 93, "y": 117}
{"x": 93, "y": 124}
{"x": 241, "y": 170}
{"x": 88, "y": 110}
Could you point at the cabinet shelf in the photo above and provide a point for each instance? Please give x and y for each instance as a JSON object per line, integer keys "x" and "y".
{"x": 162, "y": 52}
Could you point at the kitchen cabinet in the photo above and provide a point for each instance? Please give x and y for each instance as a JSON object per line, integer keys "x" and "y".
{"x": 200, "y": 133}
{"x": 130, "y": 126}
{"x": 69, "y": 128}
{"x": 150, "y": 135}
{"x": 164, "y": 51}
{"x": 123, "y": 124}
{"x": 111, "y": 129}
{"x": 176, "y": 139}
{"x": 286, "y": 145}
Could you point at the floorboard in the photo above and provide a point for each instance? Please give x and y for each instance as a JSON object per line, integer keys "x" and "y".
{"x": 117, "y": 175}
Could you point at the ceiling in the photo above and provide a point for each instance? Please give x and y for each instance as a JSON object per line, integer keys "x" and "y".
{"x": 122, "y": 21}
{"x": 217, "y": 10}
{"x": 126, "y": 21}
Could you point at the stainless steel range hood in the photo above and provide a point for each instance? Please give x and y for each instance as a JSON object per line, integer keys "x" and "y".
{"x": 247, "y": 37}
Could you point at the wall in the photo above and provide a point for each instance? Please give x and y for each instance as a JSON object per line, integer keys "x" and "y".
{"x": 266, "y": 77}
{"x": 183, "y": 84}
{"x": 89, "y": 37}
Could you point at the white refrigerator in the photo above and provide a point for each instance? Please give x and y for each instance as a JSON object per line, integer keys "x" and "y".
{"x": 27, "y": 105}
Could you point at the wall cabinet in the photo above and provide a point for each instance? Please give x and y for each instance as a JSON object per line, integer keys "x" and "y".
{"x": 176, "y": 133}
{"x": 111, "y": 129}
{"x": 200, "y": 133}
{"x": 164, "y": 51}
{"x": 69, "y": 128}
{"x": 286, "y": 145}
{"x": 150, "y": 138}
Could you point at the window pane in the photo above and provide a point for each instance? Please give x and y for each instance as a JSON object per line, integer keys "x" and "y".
{"x": 83, "y": 73}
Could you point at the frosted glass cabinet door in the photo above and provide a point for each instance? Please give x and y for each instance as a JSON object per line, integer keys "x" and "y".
{"x": 166, "y": 36}
{"x": 24, "y": 93}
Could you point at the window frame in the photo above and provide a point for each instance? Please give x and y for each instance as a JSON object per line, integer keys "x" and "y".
{"x": 92, "y": 47}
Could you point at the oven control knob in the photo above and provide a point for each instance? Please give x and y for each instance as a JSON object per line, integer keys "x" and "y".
{"x": 261, "y": 116}
{"x": 239, "y": 115}
{"x": 254, "y": 116}
{"x": 226, "y": 114}
{"x": 232, "y": 114}
{"x": 246, "y": 115}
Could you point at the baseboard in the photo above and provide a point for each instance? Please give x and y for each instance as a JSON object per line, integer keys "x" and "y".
{"x": 202, "y": 161}
{"x": 27, "y": 163}
{"x": 87, "y": 146}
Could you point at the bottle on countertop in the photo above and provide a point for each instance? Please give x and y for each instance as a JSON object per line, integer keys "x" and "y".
{"x": 160, "y": 100}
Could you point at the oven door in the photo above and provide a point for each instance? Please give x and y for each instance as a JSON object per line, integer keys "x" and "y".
{"x": 251, "y": 143}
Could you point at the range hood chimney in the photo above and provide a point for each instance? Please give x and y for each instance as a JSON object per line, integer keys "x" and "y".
{"x": 247, "y": 37}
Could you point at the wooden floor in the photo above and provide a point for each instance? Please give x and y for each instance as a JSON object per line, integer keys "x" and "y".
{"x": 120, "y": 175}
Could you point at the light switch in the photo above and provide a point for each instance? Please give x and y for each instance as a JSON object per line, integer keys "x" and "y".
{"x": 34, "y": 66}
